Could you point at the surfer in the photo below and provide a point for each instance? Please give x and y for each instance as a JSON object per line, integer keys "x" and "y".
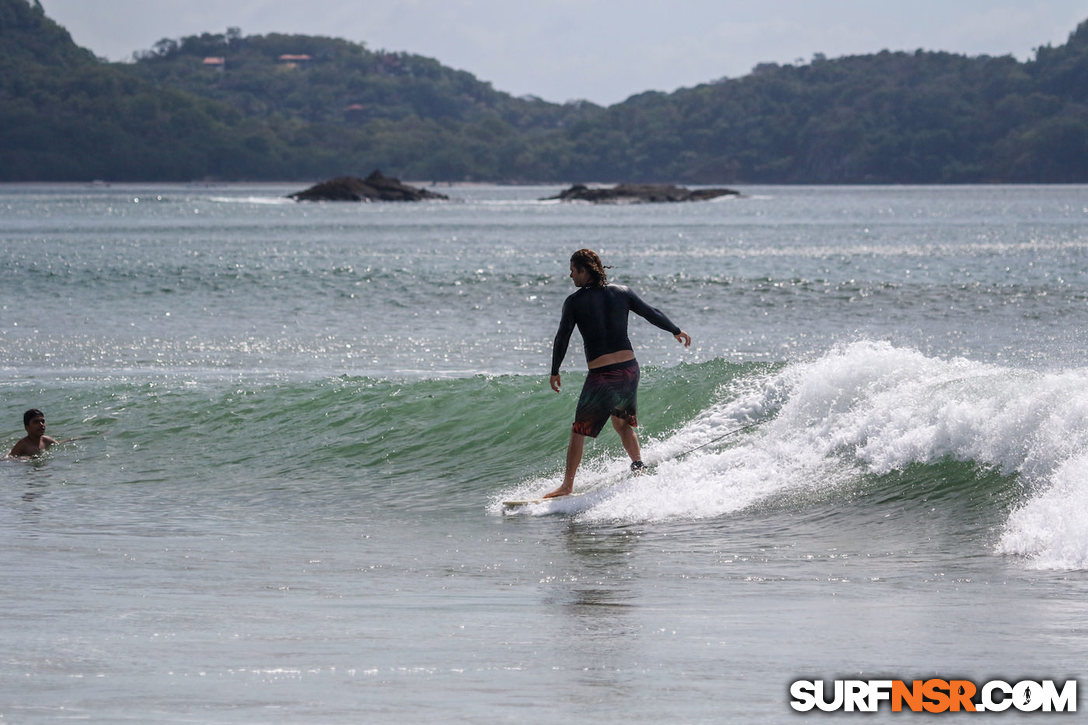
{"x": 599, "y": 311}
{"x": 36, "y": 441}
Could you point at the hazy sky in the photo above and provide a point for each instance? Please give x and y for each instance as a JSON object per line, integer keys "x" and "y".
{"x": 599, "y": 50}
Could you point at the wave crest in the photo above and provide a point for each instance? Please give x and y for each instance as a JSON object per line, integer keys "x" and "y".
{"x": 869, "y": 409}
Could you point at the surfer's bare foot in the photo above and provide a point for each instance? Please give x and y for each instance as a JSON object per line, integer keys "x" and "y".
{"x": 561, "y": 491}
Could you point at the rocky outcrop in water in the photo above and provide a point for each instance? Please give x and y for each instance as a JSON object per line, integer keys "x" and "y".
{"x": 375, "y": 187}
{"x": 639, "y": 194}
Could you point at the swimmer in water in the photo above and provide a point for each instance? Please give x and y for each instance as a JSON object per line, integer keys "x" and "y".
{"x": 599, "y": 310}
{"x": 36, "y": 441}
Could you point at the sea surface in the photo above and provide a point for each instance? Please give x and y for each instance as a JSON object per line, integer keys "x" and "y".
{"x": 298, "y": 422}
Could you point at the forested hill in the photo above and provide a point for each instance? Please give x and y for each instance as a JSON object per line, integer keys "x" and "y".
{"x": 326, "y": 80}
{"x": 384, "y": 110}
{"x": 921, "y": 117}
{"x": 289, "y": 107}
{"x": 64, "y": 115}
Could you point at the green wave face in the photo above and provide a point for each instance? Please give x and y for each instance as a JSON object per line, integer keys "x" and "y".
{"x": 867, "y": 431}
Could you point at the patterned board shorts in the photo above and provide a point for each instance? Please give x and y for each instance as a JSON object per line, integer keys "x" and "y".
{"x": 609, "y": 390}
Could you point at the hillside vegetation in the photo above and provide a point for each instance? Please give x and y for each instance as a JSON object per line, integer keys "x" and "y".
{"x": 291, "y": 107}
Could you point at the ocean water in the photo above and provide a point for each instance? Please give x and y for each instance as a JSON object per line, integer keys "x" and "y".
{"x": 298, "y": 422}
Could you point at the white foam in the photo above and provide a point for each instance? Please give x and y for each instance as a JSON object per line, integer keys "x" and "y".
{"x": 870, "y": 407}
{"x": 1051, "y": 528}
{"x": 267, "y": 200}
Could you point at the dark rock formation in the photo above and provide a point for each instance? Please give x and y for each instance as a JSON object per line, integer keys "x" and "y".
{"x": 373, "y": 188}
{"x": 639, "y": 194}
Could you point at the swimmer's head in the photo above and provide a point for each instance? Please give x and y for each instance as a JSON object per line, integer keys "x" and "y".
{"x": 31, "y": 415}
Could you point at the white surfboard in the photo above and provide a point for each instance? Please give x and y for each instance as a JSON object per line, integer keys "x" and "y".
{"x": 532, "y": 501}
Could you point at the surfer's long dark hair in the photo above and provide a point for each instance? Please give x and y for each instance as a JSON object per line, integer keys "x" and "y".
{"x": 588, "y": 260}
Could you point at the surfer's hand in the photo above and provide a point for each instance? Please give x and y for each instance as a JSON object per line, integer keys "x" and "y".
{"x": 555, "y": 383}
{"x": 684, "y": 338}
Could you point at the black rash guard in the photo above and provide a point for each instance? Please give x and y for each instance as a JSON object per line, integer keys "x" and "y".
{"x": 601, "y": 316}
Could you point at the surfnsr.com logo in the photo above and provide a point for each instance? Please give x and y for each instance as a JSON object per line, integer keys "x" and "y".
{"x": 933, "y": 695}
